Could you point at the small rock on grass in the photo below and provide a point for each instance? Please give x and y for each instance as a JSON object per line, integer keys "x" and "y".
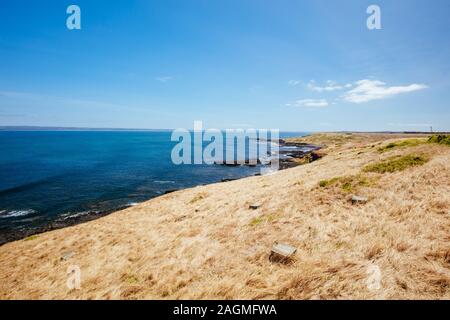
{"x": 67, "y": 255}
{"x": 282, "y": 253}
{"x": 359, "y": 199}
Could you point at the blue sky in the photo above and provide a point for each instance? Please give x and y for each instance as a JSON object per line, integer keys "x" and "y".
{"x": 307, "y": 65}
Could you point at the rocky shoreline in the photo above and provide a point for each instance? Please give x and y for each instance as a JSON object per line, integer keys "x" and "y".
{"x": 291, "y": 155}
{"x": 19, "y": 234}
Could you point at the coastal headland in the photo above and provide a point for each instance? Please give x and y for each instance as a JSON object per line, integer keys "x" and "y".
{"x": 214, "y": 241}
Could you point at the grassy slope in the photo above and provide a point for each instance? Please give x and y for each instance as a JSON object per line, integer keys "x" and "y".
{"x": 206, "y": 243}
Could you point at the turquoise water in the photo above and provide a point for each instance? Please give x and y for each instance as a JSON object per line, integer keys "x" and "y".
{"x": 48, "y": 177}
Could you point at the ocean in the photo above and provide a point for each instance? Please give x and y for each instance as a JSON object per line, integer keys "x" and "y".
{"x": 52, "y": 178}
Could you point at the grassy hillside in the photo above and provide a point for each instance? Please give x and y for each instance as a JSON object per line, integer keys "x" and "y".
{"x": 207, "y": 243}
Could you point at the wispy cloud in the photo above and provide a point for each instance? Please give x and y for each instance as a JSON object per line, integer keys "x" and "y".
{"x": 21, "y": 95}
{"x": 368, "y": 90}
{"x": 309, "y": 103}
{"x": 294, "y": 83}
{"x": 328, "y": 87}
{"x": 417, "y": 125}
{"x": 45, "y": 99}
{"x": 164, "y": 79}
{"x": 12, "y": 115}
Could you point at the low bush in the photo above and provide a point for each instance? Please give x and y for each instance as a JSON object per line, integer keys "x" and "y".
{"x": 441, "y": 139}
{"x": 402, "y": 144}
{"x": 396, "y": 164}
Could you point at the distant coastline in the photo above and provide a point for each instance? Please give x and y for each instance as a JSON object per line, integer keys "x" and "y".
{"x": 51, "y": 128}
{"x": 39, "y": 128}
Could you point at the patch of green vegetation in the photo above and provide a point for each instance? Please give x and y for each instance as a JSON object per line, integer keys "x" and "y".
{"x": 258, "y": 220}
{"x": 396, "y": 164}
{"x": 402, "y": 144}
{"x": 440, "y": 139}
{"x": 347, "y": 186}
{"x": 327, "y": 183}
{"x": 31, "y": 238}
{"x": 132, "y": 279}
{"x": 349, "y": 183}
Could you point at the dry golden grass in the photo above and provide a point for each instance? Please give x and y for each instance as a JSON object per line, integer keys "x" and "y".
{"x": 205, "y": 243}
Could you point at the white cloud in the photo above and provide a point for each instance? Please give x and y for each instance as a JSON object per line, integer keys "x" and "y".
{"x": 164, "y": 79}
{"x": 309, "y": 103}
{"x": 328, "y": 87}
{"x": 368, "y": 90}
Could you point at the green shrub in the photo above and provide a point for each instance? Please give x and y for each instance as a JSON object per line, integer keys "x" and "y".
{"x": 326, "y": 183}
{"x": 258, "y": 220}
{"x": 441, "y": 139}
{"x": 396, "y": 164}
{"x": 347, "y": 184}
{"x": 350, "y": 183}
{"x": 402, "y": 144}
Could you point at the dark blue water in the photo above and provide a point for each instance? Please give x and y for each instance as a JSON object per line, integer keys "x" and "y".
{"x": 50, "y": 176}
